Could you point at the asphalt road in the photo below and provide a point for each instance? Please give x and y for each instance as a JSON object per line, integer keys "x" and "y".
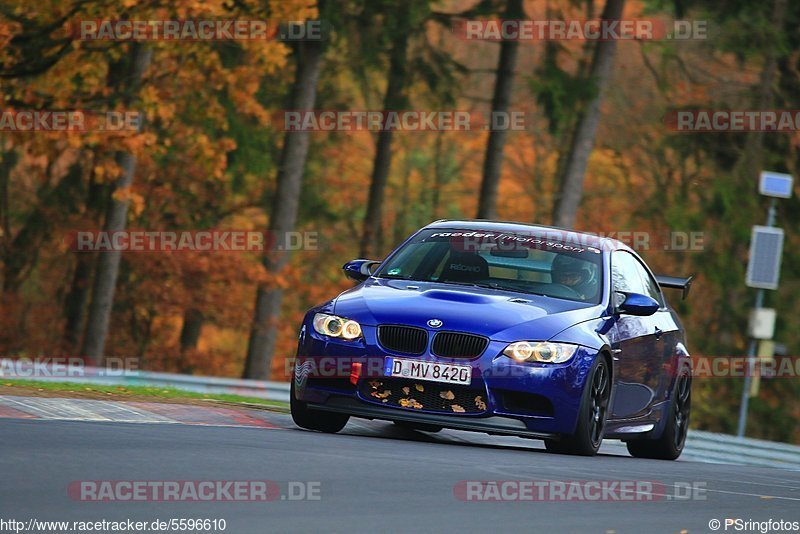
{"x": 374, "y": 477}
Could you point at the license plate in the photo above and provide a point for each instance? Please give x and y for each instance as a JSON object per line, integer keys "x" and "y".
{"x": 433, "y": 372}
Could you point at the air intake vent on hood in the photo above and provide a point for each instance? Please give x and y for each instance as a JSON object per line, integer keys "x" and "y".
{"x": 405, "y": 339}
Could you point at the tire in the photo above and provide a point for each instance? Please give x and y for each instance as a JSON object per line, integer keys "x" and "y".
{"x": 669, "y": 445}
{"x": 423, "y": 427}
{"x": 305, "y": 417}
{"x": 588, "y": 434}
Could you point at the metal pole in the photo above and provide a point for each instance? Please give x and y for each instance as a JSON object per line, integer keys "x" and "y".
{"x": 751, "y": 350}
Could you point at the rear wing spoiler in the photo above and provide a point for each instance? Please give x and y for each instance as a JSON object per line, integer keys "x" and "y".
{"x": 675, "y": 282}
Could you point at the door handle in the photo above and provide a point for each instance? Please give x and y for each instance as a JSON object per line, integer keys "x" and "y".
{"x": 658, "y": 332}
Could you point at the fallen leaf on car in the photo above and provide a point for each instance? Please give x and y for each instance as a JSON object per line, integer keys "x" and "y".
{"x": 410, "y": 403}
{"x": 479, "y": 403}
{"x": 457, "y": 408}
{"x": 449, "y": 395}
{"x": 419, "y": 387}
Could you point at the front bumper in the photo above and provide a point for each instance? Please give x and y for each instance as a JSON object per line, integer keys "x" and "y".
{"x": 496, "y": 424}
{"x": 533, "y": 400}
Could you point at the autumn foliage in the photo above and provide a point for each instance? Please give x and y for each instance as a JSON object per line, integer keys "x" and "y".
{"x": 209, "y": 150}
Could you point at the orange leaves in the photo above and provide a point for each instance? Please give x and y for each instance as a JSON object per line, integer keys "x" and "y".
{"x": 135, "y": 200}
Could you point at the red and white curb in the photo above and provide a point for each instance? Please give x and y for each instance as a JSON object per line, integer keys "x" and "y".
{"x": 132, "y": 412}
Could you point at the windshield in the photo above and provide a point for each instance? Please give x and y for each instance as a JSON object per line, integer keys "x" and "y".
{"x": 523, "y": 263}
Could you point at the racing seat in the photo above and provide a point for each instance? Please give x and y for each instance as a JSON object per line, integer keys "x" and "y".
{"x": 465, "y": 267}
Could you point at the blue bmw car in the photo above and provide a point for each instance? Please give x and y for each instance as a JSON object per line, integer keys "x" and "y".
{"x": 507, "y": 329}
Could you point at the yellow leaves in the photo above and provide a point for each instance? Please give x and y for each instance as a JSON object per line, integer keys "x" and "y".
{"x": 410, "y": 403}
{"x": 137, "y": 204}
{"x": 135, "y": 200}
{"x": 149, "y": 97}
{"x": 292, "y": 9}
{"x": 165, "y": 111}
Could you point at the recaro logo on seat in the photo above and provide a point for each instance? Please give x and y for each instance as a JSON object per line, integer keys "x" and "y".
{"x": 462, "y": 267}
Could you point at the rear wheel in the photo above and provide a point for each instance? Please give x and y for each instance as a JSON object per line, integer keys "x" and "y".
{"x": 305, "y": 417}
{"x": 592, "y": 417}
{"x": 670, "y": 444}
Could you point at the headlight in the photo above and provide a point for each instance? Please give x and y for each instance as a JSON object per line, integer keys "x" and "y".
{"x": 334, "y": 326}
{"x": 543, "y": 352}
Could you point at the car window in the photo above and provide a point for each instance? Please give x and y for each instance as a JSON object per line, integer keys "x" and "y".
{"x": 625, "y": 273}
{"x": 629, "y": 275}
{"x": 522, "y": 263}
{"x": 409, "y": 260}
{"x": 649, "y": 283}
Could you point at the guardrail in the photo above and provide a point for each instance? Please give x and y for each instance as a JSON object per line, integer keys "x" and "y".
{"x": 26, "y": 370}
{"x": 700, "y": 445}
{"x": 724, "y": 449}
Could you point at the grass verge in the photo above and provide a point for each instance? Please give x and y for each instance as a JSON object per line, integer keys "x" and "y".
{"x": 46, "y": 388}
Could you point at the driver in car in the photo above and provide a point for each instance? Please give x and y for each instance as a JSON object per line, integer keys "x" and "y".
{"x": 574, "y": 274}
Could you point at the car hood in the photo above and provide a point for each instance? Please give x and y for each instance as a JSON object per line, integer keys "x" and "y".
{"x": 499, "y": 315}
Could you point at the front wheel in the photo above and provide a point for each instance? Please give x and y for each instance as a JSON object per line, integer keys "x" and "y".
{"x": 588, "y": 434}
{"x": 670, "y": 445}
{"x": 305, "y": 417}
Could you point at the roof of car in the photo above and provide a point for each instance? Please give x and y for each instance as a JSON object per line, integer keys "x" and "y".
{"x": 549, "y": 232}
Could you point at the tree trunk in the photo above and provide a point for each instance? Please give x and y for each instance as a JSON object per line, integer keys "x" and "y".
{"x": 574, "y": 170}
{"x": 76, "y": 301}
{"x": 438, "y": 178}
{"x": 192, "y": 328}
{"x": 77, "y": 298}
{"x": 493, "y": 160}
{"x": 394, "y": 100}
{"x": 23, "y": 252}
{"x": 8, "y": 160}
{"x": 264, "y": 332}
{"x": 105, "y": 280}
{"x": 751, "y": 159}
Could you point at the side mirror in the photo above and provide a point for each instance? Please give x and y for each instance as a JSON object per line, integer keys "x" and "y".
{"x": 359, "y": 270}
{"x": 638, "y": 304}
